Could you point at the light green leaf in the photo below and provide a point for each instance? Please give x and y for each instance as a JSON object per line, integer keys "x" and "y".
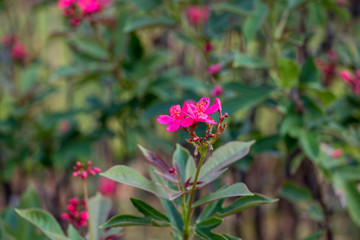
{"x": 295, "y": 192}
{"x": 230, "y": 8}
{"x": 129, "y": 176}
{"x": 235, "y": 190}
{"x": 254, "y": 21}
{"x": 43, "y": 220}
{"x": 203, "y": 229}
{"x": 244, "y": 203}
{"x": 73, "y": 233}
{"x": 140, "y": 22}
{"x": 89, "y": 47}
{"x": 310, "y": 144}
{"x": 99, "y": 208}
{"x": 223, "y": 157}
{"x": 181, "y": 157}
{"x": 242, "y": 60}
{"x": 288, "y": 73}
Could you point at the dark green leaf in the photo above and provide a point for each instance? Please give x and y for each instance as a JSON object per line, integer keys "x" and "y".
{"x": 295, "y": 192}
{"x": 140, "y": 22}
{"x": 242, "y": 60}
{"x": 310, "y": 144}
{"x": 310, "y": 74}
{"x": 204, "y": 229}
{"x": 254, "y": 21}
{"x": 148, "y": 210}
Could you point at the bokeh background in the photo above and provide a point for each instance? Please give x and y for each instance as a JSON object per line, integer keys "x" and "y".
{"x": 78, "y": 88}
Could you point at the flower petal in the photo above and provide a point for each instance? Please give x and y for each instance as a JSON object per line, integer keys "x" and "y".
{"x": 165, "y": 119}
{"x": 211, "y": 121}
{"x": 173, "y": 127}
{"x": 186, "y": 122}
{"x": 213, "y": 108}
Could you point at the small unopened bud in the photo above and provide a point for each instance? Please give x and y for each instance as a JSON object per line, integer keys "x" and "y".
{"x": 195, "y": 139}
{"x": 172, "y": 171}
{"x": 83, "y": 175}
{"x": 226, "y": 114}
{"x": 211, "y": 135}
{"x": 97, "y": 170}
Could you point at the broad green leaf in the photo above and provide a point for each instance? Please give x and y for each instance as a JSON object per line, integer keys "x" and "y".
{"x": 140, "y": 22}
{"x": 89, "y": 47}
{"x": 99, "y": 208}
{"x": 288, "y": 73}
{"x": 148, "y": 210}
{"x": 246, "y": 97}
{"x": 129, "y": 220}
{"x": 244, "y": 203}
{"x": 223, "y": 157}
{"x": 242, "y": 60}
{"x": 310, "y": 144}
{"x": 295, "y": 192}
{"x": 210, "y": 210}
{"x": 73, "y": 233}
{"x": 254, "y": 21}
{"x": 43, "y": 220}
{"x": 310, "y": 74}
{"x": 204, "y": 229}
{"x": 230, "y": 8}
{"x": 129, "y": 176}
{"x": 235, "y": 190}
{"x": 348, "y": 173}
{"x": 181, "y": 157}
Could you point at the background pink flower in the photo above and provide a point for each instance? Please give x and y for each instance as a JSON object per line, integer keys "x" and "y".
{"x": 89, "y": 6}
{"x": 62, "y": 4}
{"x": 107, "y": 187}
{"x": 215, "y": 68}
{"x": 216, "y": 91}
{"x": 198, "y": 14}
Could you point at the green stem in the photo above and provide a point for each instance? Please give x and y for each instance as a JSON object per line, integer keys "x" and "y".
{"x": 187, "y": 218}
{"x": 86, "y": 196}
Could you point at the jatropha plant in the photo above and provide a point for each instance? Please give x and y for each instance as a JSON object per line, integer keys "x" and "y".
{"x": 176, "y": 185}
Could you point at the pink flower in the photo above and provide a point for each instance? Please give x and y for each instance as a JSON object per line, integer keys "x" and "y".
{"x": 200, "y": 111}
{"x": 198, "y": 14}
{"x": 74, "y": 214}
{"x": 347, "y": 76}
{"x": 89, "y": 6}
{"x": 64, "y": 126}
{"x": 107, "y": 187}
{"x": 217, "y": 102}
{"x": 208, "y": 47}
{"x": 216, "y": 91}
{"x": 337, "y": 153}
{"x": 176, "y": 118}
{"x": 82, "y": 171}
{"x": 18, "y": 52}
{"x": 215, "y": 68}
{"x": 63, "y": 4}
{"x": 353, "y": 80}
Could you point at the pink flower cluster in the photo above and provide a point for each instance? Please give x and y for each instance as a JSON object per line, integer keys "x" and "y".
{"x": 17, "y": 49}
{"x": 327, "y": 68}
{"x": 77, "y": 10}
{"x": 217, "y": 91}
{"x": 198, "y": 15}
{"x": 82, "y": 171}
{"x": 190, "y": 114}
{"x": 75, "y": 215}
{"x": 352, "y": 79}
{"x": 215, "y": 68}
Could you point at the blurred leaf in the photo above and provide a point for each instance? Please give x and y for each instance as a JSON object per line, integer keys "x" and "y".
{"x": 139, "y": 22}
{"x": 310, "y": 144}
{"x": 89, "y": 47}
{"x": 43, "y": 220}
{"x": 244, "y": 203}
{"x": 310, "y": 74}
{"x": 129, "y": 176}
{"x": 247, "y": 97}
{"x": 224, "y": 156}
{"x": 295, "y": 192}
{"x": 147, "y": 4}
{"x": 230, "y": 8}
{"x": 73, "y": 233}
{"x": 288, "y": 73}
{"x": 99, "y": 208}
{"x": 349, "y": 173}
{"x": 254, "y": 21}
{"x": 291, "y": 4}
{"x": 203, "y": 229}
{"x": 235, "y": 190}
{"x": 314, "y": 236}
{"x": 242, "y": 60}
{"x": 29, "y": 77}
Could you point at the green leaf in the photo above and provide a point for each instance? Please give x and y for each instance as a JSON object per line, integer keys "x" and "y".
{"x": 228, "y": 237}
{"x": 242, "y": 60}
{"x": 295, "y": 192}
{"x": 288, "y": 73}
{"x": 314, "y": 236}
{"x": 246, "y": 97}
{"x": 235, "y": 190}
{"x": 181, "y": 157}
{"x": 129, "y": 176}
{"x": 210, "y": 210}
{"x": 244, "y": 203}
{"x": 148, "y": 210}
{"x": 310, "y": 74}
{"x": 89, "y": 47}
{"x": 140, "y": 22}
{"x": 310, "y": 144}
{"x": 254, "y": 21}
{"x": 43, "y": 220}
{"x": 73, "y": 233}
{"x": 223, "y": 157}
{"x": 203, "y": 229}
{"x": 147, "y": 4}
{"x": 352, "y": 197}
{"x": 99, "y": 208}
{"x": 291, "y": 4}
{"x": 152, "y": 217}
{"x": 230, "y": 8}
